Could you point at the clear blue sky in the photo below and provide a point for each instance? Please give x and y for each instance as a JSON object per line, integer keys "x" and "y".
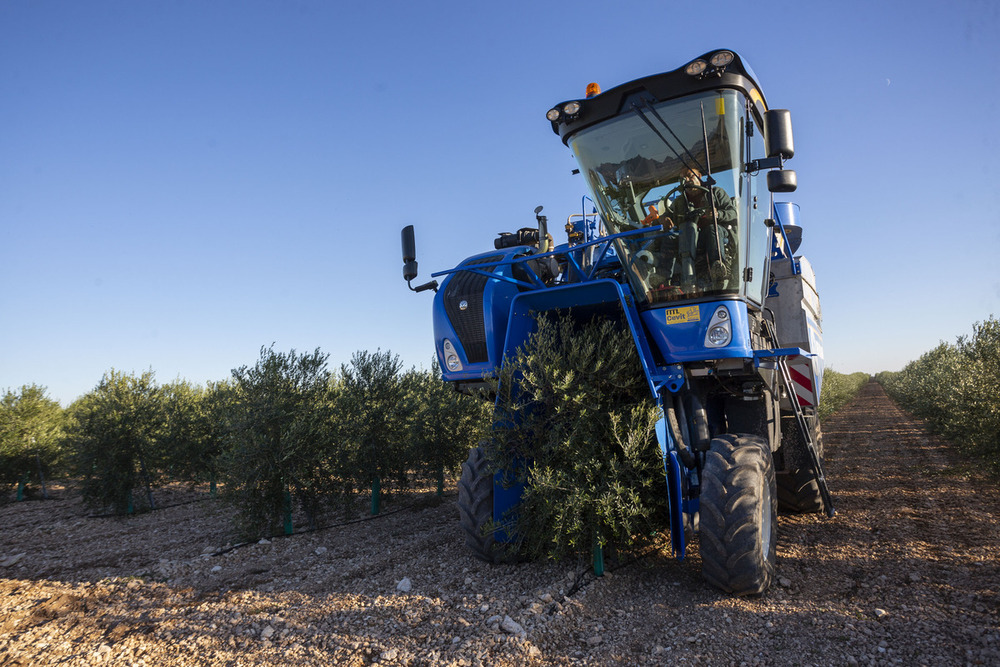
{"x": 182, "y": 182}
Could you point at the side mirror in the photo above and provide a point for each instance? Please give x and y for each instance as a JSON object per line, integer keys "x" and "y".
{"x": 778, "y": 134}
{"x": 783, "y": 180}
{"x": 409, "y": 254}
{"x": 410, "y": 261}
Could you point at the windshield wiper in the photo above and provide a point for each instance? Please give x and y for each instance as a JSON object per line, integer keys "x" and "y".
{"x": 639, "y": 112}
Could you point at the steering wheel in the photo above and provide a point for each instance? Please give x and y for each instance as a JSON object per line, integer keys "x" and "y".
{"x": 679, "y": 191}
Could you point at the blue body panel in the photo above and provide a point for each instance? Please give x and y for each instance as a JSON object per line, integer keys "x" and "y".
{"x": 680, "y": 332}
{"x": 497, "y": 297}
{"x": 506, "y": 497}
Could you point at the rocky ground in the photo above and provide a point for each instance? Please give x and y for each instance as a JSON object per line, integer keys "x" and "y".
{"x": 906, "y": 573}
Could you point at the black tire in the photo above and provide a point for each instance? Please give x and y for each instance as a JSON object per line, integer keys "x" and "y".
{"x": 738, "y": 515}
{"x": 475, "y": 506}
{"x": 798, "y": 489}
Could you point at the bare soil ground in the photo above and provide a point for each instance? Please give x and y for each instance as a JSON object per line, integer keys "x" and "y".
{"x": 906, "y": 573}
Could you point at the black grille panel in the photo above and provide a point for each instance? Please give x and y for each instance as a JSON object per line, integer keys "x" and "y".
{"x": 469, "y": 324}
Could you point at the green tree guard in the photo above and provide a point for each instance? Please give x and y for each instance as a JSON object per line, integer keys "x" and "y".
{"x": 20, "y": 487}
{"x": 376, "y": 493}
{"x": 441, "y": 481}
{"x": 598, "y": 559}
{"x": 213, "y": 490}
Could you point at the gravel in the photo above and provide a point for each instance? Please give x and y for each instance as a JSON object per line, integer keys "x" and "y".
{"x": 906, "y": 573}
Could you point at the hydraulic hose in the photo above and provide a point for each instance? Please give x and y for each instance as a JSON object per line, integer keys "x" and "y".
{"x": 678, "y": 433}
{"x": 699, "y": 419}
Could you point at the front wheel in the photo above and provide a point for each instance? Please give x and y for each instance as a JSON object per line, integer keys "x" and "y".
{"x": 475, "y": 506}
{"x": 738, "y": 515}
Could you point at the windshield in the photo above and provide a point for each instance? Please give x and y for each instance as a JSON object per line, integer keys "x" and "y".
{"x": 648, "y": 168}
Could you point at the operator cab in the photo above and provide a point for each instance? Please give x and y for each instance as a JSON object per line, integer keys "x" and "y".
{"x": 682, "y": 155}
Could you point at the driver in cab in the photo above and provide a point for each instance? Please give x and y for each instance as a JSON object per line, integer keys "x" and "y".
{"x": 691, "y": 212}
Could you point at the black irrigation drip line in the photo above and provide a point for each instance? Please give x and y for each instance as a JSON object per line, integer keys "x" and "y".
{"x": 582, "y": 580}
{"x": 242, "y": 544}
{"x": 152, "y": 509}
{"x": 327, "y": 527}
{"x": 112, "y": 514}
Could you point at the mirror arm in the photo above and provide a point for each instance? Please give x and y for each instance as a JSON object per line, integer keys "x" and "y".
{"x": 765, "y": 163}
{"x": 426, "y": 286}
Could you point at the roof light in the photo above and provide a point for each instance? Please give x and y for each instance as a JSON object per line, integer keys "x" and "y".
{"x": 721, "y": 58}
{"x": 552, "y": 115}
{"x": 593, "y": 89}
{"x": 696, "y": 67}
{"x": 571, "y": 108}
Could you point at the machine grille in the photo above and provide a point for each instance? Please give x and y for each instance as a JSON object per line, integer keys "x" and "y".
{"x": 469, "y": 323}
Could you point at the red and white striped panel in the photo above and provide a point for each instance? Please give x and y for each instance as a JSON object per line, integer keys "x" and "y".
{"x": 800, "y": 369}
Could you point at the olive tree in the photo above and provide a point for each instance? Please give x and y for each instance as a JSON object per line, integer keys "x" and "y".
{"x": 369, "y": 404}
{"x": 442, "y": 423}
{"x": 575, "y": 424}
{"x": 115, "y": 432}
{"x": 31, "y": 426}
{"x": 279, "y": 432}
{"x": 196, "y": 428}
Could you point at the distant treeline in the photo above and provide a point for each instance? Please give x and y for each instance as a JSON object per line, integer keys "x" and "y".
{"x": 838, "y": 389}
{"x": 955, "y": 389}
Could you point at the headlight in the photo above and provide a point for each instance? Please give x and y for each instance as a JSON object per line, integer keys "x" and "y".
{"x": 697, "y": 67}
{"x": 571, "y": 108}
{"x": 719, "y": 335}
{"x": 552, "y": 115}
{"x": 720, "y": 329}
{"x": 451, "y": 360}
{"x": 721, "y": 58}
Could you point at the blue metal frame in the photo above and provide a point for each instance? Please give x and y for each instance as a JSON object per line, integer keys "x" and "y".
{"x": 684, "y": 343}
{"x": 567, "y": 252}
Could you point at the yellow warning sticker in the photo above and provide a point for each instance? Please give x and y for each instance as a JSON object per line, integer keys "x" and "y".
{"x": 681, "y": 315}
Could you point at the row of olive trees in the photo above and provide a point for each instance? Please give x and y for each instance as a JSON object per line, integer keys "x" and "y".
{"x": 130, "y": 434}
{"x": 838, "y": 390}
{"x": 953, "y": 388}
{"x": 298, "y": 433}
{"x": 285, "y": 432}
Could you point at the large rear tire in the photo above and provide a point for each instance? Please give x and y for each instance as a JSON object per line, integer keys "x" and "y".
{"x": 738, "y": 515}
{"x": 475, "y": 506}
{"x": 798, "y": 489}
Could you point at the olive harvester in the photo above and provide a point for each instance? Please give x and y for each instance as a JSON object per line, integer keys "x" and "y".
{"x": 684, "y": 244}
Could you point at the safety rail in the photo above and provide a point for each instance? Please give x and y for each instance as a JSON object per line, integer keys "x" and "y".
{"x": 780, "y": 357}
{"x": 572, "y": 254}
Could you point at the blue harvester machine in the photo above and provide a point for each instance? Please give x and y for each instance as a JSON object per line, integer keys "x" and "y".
{"x": 686, "y": 246}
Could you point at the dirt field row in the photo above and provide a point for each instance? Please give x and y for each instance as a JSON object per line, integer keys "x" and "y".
{"x": 906, "y": 573}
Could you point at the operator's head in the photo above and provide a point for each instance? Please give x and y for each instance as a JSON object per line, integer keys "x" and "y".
{"x": 690, "y": 176}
